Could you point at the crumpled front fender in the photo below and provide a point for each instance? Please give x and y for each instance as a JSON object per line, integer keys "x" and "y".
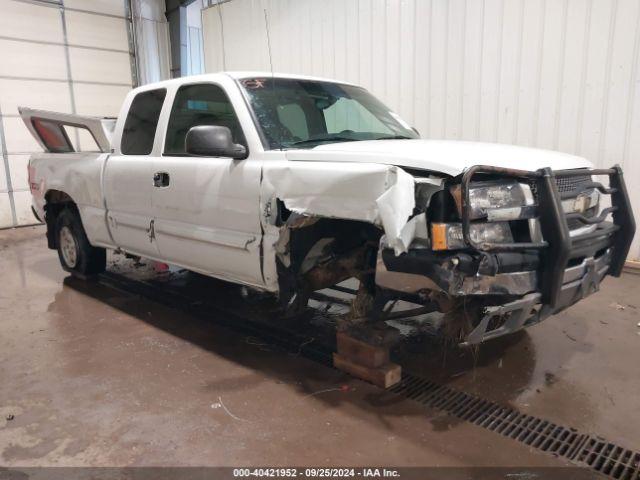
{"x": 380, "y": 194}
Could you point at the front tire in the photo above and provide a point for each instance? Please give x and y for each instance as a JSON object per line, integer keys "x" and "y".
{"x": 74, "y": 250}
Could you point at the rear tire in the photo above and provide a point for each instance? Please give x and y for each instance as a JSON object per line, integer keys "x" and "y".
{"x": 74, "y": 250}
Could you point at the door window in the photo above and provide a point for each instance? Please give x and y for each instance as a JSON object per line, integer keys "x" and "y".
{"x": 142, "y": 121}
{"x": 200, "y": 104}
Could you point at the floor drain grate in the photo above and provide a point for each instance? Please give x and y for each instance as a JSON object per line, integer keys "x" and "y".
{"x": 585, "y": 450}
{"x": 610, "y": 459}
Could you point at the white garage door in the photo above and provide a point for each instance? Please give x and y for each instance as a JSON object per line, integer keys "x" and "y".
{"x": 64, "y": 55}
{"x": 559, "y": 74}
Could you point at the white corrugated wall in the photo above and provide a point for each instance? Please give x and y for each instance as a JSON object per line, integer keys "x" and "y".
{"x": 556, "y": 74}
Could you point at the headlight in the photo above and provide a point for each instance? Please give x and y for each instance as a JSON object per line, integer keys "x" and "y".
{"x": 448, "y": 236}
{"x": 495, "y": 201}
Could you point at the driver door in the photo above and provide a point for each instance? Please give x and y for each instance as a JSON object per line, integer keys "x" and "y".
{"x": 206, "y": 209}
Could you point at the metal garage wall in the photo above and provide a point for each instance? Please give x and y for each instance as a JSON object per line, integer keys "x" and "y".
{"x": 557, "y": 74}
{"x": 63, "y": 55}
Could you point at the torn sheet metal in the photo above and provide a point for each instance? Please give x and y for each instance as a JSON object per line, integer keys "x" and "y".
{"x": 394, "y": 207}
{"x": 414, "y": 229}
{"x": 376, "y": 193}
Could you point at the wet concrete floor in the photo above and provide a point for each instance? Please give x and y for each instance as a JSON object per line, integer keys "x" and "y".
{"x": 95, "y": 376}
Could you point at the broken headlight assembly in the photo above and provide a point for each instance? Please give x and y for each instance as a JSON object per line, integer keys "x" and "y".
{"x": 497, "y": 202}
{"x": 448, "y": 236}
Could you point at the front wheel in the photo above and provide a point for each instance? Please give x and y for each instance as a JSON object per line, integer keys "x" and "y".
{"x": 74, "y": 250}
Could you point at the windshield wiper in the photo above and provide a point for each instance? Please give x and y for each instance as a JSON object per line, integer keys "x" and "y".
{"x": 334, "y": 138}
{"x": 341, "y": 138}
{"x": 394, "y": 137}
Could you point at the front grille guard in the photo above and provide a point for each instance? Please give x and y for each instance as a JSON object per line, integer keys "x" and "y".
{"x": 558, "y": 246}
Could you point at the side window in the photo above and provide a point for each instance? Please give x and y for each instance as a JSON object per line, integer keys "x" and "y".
{"x": 59, "y": 137}
{"x": 200, "y": 104}
{"x": 53, "y": 135}
{"x": 141, "y": 123}
{"x": 81, "y": 139}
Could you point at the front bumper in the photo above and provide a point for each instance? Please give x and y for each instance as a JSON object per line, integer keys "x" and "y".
{"x": 578, "y": 282}
{"x": 531, "y": 280}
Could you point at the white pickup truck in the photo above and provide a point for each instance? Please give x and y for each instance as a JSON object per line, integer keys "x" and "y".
{"x": 291, "y": 184}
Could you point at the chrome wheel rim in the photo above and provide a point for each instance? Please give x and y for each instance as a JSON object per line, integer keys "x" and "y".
{"x": 68, "y": 247}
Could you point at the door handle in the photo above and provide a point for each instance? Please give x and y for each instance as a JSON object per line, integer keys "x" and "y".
{"x": 161, "y": 179}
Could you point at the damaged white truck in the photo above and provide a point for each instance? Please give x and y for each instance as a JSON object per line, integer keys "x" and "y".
{"x": 291, "y": 184}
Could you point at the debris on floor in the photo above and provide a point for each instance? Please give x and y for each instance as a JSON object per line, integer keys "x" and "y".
{"x": 550, "y": 378}
{"x": 342, "y": 388}
{"x": 229, "y": 413}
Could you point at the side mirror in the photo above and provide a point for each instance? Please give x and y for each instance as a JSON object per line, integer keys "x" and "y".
{"x": 213, "y": 141}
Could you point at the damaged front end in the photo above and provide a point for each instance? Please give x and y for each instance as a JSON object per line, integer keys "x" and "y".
{"x": 493, "y": 249}
{"x": 508, "y": 248}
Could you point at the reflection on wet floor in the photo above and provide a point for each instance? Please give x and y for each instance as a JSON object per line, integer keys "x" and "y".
{"x": 97, "y": 375}
{"x": 506, "y": 370}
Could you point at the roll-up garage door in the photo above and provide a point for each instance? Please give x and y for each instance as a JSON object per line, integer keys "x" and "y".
{"x": 73, "y": 56}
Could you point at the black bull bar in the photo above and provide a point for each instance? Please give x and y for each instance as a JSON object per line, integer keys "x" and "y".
{"x": 558, "y": 248}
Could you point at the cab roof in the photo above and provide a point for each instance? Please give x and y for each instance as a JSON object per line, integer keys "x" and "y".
{"x": 236, "y": 75}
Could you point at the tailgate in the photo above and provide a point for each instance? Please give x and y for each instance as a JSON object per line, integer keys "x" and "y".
{"x": 48, "y": 128}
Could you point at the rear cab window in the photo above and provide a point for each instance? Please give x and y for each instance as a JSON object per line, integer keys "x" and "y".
{"x": 200, "y": 104}
{"x": 142, "y": 121}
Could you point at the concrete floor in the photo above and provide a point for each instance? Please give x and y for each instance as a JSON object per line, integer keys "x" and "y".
{"x": 94, "y": 376}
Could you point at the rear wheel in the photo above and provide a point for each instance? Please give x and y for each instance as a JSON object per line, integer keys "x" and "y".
{"x": 74, "y": 250}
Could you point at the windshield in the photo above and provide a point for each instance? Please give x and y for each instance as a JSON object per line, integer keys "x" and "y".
{"x": 303, "y": 113}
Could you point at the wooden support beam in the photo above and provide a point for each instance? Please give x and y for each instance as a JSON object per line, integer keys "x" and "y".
{"x": 367, "y": 359}
{"x": 385, "y": 376}
{"x": 363, "y": 353}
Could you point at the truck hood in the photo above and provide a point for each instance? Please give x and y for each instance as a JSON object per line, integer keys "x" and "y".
{"x": 449, "y": 157}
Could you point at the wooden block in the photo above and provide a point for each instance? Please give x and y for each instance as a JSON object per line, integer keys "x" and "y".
{"x": 360, "y": 352}
{"x": 385, "y": 376}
